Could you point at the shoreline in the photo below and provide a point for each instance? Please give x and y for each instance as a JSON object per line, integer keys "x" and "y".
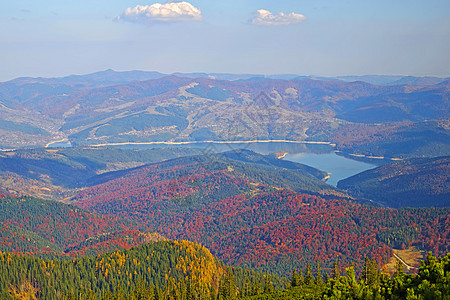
{"x": 228, "y": 142}
{"x": 369, "y": 156}
{"x": 54, "y": 142}
{"x": 210, "y": 142}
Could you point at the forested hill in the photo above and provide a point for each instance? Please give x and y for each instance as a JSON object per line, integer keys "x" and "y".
{"x": 154, "y": 266}
{"x": 55, "y": 173}
{"x": 110, "y": 107}
{"x": 258, "y": 216}
{"x": 249, "y": 209}
{"x": 31, "y": 225}
{"x": 185, "y": 270}
{"x": 418, "y": 182}
{"x": 243, "y": 164}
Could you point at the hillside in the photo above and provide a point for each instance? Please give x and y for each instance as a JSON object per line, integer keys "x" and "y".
{"x": 123, "y": 107}
{"x": 38, "y": 226}
{"x": 418, "y": 182}
{"x": 196, "y": 176}
{"x": 155, "y": 266}
{"x": 251, "y": 210}
{"x": 57, "y": 172}
{"x": 251, "y": 216}
{"x": 185, "y": 270}
{"x": 395, "y": 140}
{"x": 60, "y": 173}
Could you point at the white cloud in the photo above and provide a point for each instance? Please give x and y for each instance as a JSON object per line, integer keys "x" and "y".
{"x": 264, "y": 17}
{"x": 169, "y": 12}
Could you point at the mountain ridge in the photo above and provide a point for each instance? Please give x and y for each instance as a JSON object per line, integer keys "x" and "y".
{"x": 140, "y": 75}
{"x": 417, "y": 182}
{"x": 171, "y": 108}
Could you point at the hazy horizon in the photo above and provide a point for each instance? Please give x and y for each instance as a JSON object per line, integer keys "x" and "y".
{"x": 320, "y": 38}
{"x": 228, "y": 73}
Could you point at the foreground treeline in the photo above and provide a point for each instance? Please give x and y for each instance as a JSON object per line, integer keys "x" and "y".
{"x": 431, "y": 282}
{"x": 185, "y": 270}
{"x": 256, "y": 228}
{"x": 159, "y": 270}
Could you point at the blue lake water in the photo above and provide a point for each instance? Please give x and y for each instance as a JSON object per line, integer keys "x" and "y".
{"x": 339, "y": 166}
{"x": 321, "y": 157}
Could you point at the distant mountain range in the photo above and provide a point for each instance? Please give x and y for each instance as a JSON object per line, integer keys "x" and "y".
{"x": 121, "y": 77}
{"x": 136, "y": 106}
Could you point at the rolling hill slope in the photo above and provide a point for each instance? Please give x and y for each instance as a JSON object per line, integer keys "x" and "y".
{"x": 418, "y": 182}
{"x": 56, "y": 173}
{"x": 247, "y": 212}
{"x": 110, "y": 107}
{"x": 38, "y": 226}
{"x": 153, "y": 266}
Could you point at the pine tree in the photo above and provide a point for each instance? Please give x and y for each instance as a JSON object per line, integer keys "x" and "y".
{"x": 296, "y": 280}
{"x": 149, "y": 293}
{"x": 189, "y": 291}
{"x": 107, "y": 296}
{"x": 301, "y": 278}
{"x": 231, "y": 285}
{"x": 336, "y": 271}
{"x": 256, "y": 287}
{"x": 212, "y": 293}
{"x": 309, "y": 278}
{"x": 319, "y": 278}
{"x": 172, "y": 290}
{"x": 158, "y": 292}
{"x": 370, "y": 273}
{"x": 327, "y": 278}
{"x": 374, "y": 273}
{"x": 227, "y": 288}
{"x": 183, "y": 289}
{"x": 268, "y": 286}
{"x": 119, "y": 294}
{"x": 246, "y": 290}
{"x": 365, "y": 271}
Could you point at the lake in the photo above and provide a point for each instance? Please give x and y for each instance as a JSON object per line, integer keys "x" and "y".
{"x": 319, "y": 156}
{"x": 339, "y": 167}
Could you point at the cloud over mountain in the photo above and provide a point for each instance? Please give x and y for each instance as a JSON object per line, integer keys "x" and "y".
{"x": 168, "y": 12}
{"x": 264, "y": 17}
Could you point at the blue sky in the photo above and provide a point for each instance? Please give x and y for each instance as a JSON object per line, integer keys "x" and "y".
{"x": 307, "y": 37}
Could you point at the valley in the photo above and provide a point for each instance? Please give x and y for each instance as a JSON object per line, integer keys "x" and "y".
{"x": 222, "y": 199}
{"x": 224, "y": 150}
{"x": 250, "y": 180}
{"x": 178, "y": 109}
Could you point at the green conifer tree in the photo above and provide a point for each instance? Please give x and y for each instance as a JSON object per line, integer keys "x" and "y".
{"x": 295, "y": 281}
{"x": 327, "y": 278}
{"x": 319, "y": 278}
{"x": 336, "y": 273}
{"x": 309, "y": 278}
{"x": 256, "y": 287}
{"x": 268, "y": 286}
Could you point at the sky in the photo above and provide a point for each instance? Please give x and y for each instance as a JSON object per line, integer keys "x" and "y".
{"x": 52, "y": 38}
